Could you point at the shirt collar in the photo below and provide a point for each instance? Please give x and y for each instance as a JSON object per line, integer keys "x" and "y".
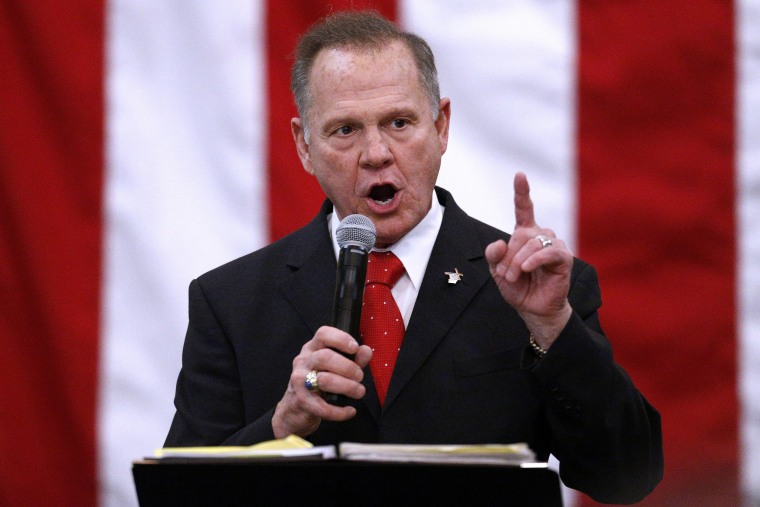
{"x": 414, "y": 248}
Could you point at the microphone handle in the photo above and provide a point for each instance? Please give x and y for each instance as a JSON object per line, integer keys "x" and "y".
{"x": 347, "y": 302}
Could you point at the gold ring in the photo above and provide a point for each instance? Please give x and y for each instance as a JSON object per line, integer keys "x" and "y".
{"x": 310, "y": 382}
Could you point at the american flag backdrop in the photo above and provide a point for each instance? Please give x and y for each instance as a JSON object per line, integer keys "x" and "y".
{"x": 143, "y": 143}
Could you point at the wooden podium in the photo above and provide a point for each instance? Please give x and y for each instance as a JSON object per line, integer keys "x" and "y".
{"x": 336, "y": 482}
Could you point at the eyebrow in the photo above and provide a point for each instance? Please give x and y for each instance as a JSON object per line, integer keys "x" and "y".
{"x": 384, "y": 116}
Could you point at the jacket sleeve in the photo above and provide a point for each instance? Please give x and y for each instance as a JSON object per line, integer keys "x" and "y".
{"x": 209, "y": 400}
{"x": 606, "y": 436}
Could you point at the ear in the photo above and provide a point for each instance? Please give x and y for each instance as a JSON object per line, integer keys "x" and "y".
{"x": 302, "y": 147}
{"x": 442, "y": 123}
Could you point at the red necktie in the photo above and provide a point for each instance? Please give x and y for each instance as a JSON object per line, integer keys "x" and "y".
{"x": 382, "y": 327}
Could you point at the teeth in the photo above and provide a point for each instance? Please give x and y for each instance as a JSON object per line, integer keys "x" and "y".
{"x": 383, "y": 203}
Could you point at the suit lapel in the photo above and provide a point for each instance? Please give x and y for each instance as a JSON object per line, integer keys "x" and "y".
{"x": 440, "y": 303}
{"x": 309, "y": 289}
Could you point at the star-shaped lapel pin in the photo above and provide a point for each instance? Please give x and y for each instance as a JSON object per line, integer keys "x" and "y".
{"x": 455, "y": 276}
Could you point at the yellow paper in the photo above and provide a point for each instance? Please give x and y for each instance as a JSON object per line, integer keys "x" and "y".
{"x": 282, "y": 444}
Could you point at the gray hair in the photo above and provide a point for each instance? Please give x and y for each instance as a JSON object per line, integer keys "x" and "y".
{"x": 360, "y": 30}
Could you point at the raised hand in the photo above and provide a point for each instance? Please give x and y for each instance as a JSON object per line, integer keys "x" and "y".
{"x": 533, "y": 270}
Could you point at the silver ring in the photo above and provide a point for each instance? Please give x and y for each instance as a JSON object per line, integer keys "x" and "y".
{"x": 544, "y": 240}
{"x": 310, "y": 382}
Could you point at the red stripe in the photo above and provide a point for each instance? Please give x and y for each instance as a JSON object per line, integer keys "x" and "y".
{"x": 656, "y": 180}
{"x": 51, "y": 105}
{"x": 294, "y": 195}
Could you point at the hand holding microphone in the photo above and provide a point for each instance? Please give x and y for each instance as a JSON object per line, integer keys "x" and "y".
{"x": 300, "y": 412}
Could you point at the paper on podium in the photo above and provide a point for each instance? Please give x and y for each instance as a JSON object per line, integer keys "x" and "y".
{"x": 489, "y": 454}
{"x": 295, "y": 447}
{"x": 289, "y": 447}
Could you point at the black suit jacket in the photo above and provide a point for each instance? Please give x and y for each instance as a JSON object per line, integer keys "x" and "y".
{"x": 464, "y": 373}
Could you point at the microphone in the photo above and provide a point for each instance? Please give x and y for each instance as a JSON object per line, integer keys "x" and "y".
{"x": 356, "y": 236}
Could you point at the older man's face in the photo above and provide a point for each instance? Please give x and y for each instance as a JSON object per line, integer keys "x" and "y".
{"x": 374, "y": 147}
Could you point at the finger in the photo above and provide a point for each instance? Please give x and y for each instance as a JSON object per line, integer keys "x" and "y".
{"x": 495, "y": 252}
{"x": 328, "y": 360}
{"x": 306, "y": 404}
{"x": 310, "y": 405}
{"x": 495, "y": 255}
{"x": 363, "y": 355}
{"x": 330, "y": 412}
{"x": 515, "y": 266}
{"x": 523, "y": 204}
{"x": 336, "y": 384}
{"x": 555, "y": 255}
{"x": 310, "y": 408}
{"x": 330, "y": 337}
{"x": 525, "y": 244}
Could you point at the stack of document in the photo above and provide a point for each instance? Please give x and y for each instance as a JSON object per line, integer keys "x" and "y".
{"x": 486, "y": 454}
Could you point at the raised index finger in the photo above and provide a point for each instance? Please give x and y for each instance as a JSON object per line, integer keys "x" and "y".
{"x": 523, "y": 204}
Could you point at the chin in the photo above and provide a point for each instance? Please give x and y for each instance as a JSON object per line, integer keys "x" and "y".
{"x": 386, "y": 238}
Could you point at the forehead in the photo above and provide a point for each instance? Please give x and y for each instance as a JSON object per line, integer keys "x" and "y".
{"x": 357, "y": 73}
{"x": 349, "y": 58}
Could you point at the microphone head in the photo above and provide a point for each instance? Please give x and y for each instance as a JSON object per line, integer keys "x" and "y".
{"x": 356, "y": 230}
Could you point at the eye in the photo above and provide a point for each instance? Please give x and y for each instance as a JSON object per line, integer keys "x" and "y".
{"x": 399, "y": 123}
{"x": 344, "y": 130}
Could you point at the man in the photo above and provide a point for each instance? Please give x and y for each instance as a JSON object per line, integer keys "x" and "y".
{"x": 512, "y": 351}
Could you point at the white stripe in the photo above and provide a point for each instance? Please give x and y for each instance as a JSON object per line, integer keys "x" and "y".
{"x": 509, "y": 70}
{"x": 748, "y": 232}
{"x": 184, "y": 193}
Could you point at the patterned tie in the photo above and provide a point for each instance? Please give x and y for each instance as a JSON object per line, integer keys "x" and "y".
{"x": 382, "y": 327}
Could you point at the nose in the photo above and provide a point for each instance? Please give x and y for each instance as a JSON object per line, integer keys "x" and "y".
{"x": 375, "y": 153}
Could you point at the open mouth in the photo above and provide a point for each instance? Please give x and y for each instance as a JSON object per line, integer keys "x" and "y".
{"x": 383, "y": 194}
